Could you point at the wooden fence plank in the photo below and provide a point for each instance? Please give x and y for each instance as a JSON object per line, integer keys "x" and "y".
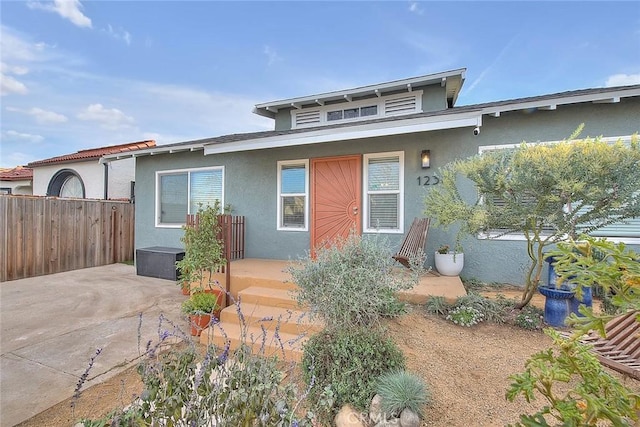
{"x": 43, "y": 235}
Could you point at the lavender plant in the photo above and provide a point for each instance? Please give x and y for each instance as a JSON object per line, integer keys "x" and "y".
{"x": 221, "y": 387}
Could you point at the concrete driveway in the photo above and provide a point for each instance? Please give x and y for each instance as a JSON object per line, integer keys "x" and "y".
{"x": 52, "y": 325}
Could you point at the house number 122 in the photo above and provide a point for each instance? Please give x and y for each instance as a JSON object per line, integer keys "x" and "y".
{"x": 428, "y": 180}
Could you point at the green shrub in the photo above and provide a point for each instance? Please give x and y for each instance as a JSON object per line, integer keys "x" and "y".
{"x": 491, "y": 310}
{"x": 245, "y": 387}
{"x": 530, "y": 317}
{"x": 465, "y": 315}
{"x": 400, "y": 390}
{"x": 577, "y": 389}
{"x": 351, "y": 283}
{"x": 436, "y": 305}
{"x": 350, "y": 362}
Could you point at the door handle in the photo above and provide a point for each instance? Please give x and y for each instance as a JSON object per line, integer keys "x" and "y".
{"x": 355, "y": 210}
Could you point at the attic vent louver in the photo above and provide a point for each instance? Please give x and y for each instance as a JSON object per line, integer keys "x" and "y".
{"x": 405, "y": 104}
{"x": 307, "y": 117}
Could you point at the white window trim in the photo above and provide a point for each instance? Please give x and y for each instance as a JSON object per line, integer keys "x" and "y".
{"x": 365, "y": 193}
{"x": 282, "y": 163}
{"x": 188, "y": 171}
{"x": 379, "y": 102}
{"x": 626, "y": 139}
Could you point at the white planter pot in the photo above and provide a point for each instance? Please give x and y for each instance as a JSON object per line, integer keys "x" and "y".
{"x": 447, "y": 266}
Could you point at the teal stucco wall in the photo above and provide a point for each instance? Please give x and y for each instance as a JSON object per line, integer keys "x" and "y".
{"x": 250, "y": 181}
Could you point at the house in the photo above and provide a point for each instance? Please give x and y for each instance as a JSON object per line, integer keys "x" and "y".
{"x": 81, "y": 175}
{"x": 361, "y": 158}
{"x": 16, "y": 180}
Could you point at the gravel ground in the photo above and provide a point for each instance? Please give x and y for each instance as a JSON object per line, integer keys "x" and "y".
{"x": 466, "y": 369}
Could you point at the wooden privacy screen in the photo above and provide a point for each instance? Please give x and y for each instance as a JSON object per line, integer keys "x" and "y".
{"x": 42, "y": 235}
{"x": 232, "y": 235}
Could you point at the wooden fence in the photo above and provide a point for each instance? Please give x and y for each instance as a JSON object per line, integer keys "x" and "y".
{"x": 41, "y": 235}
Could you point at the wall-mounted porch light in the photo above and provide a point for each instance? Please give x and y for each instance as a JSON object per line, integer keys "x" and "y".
{"x": 425, "y": 159}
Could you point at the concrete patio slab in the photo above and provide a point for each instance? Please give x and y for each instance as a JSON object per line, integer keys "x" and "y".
{"x": 52, "y": 325}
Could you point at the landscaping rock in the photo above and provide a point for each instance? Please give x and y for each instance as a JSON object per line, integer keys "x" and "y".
{"x": 375, "y": 409}
{"x": 349, "y": 417}
{"x": 408, "y": 418}
{"x": 393, "y": 422}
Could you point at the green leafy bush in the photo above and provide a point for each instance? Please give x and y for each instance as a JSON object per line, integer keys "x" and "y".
{"x": 400, "y": 390}
{"x": 350, "y": 362}
{"x": 465, "y": 315}
{"x": 579, "y": 391}
{"x": 224, "y": 388}
{"x": 351, "y": 283}
{"x": 494, "y": 311}
{"x": 592, "y": 393}
{"x": 437, "y": 305}
{"x": 530, "y": 317}
{"x": 203, "y": 250}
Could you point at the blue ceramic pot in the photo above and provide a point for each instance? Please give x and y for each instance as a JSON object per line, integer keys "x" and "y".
{"x": 556, "y": 305}
{"x": 587, "y": 300}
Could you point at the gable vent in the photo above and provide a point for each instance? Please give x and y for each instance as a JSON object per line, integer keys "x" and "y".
{"x": 307, "y": 117}
{"x": 405, "y": 104}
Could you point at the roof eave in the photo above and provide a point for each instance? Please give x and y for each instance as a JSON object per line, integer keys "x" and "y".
{"x": 269, "y": 109}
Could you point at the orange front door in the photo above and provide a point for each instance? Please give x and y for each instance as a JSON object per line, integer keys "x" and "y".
{"x": 335, "y": 198}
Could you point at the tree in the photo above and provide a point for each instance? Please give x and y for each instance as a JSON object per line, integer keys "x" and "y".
{"x": 547, "y": 192}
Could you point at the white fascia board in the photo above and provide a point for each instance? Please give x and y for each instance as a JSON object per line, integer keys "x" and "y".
{"x": 149, "y": 152}
{"x": 403, "y": 84}
{"x": 552, "y": 103}
{"x": 372, "y": 130}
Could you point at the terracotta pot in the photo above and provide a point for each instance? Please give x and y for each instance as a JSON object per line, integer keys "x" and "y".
{"x": 186, "y": 289}
{"x": 198, "y": 323}
{"x": 220, "y": 300}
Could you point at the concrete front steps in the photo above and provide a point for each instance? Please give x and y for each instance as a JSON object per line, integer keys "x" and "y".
{"x": 266, "y": 317}
{"x": 264, "y": 291}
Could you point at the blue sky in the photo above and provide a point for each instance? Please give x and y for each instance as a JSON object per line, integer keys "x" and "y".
{"x": 83, "y": 74}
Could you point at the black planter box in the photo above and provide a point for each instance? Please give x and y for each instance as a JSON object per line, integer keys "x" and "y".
{"x": 159, "y": 261}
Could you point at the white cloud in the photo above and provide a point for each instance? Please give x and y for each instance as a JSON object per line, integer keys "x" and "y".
{"x": 17, "y": 70}
{"x": 272, "y": 55}
{"x": 24, "y": 137}
{"x": 68, "y": 9}
{"x": 414, "y": 7}
{"x": 623, "y": 80}
{"x": 119, "y": 34}
{"x": 41, "y": 116}
{"x": 109, "y": 118}
{"x": 9, "y": 85}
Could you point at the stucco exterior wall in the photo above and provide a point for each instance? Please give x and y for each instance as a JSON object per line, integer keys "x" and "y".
{"x": 21, "y": 187}
{"x": 121, "y": 173}
{"x": 250, "y": 181}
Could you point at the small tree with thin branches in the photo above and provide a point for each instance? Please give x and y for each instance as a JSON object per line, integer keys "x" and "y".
{"x": 547, "y": 192}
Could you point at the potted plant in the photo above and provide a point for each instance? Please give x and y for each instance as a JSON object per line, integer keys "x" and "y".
{"x": 204, "y": 254}
{"x": 449, "y": 263}
{"x": 200, "y": 307}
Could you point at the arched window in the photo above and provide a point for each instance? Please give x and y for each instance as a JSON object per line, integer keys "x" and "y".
{"x": 66, "y": 183}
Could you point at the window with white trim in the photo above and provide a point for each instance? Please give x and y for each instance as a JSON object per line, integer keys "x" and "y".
{"x": 384, "y": 192}
{"x": 293, "y": 192}
{"x": 627, "y": 231}
{"x": 182, "y": 192}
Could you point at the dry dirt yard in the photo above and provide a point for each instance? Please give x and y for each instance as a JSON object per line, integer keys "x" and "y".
{"x": 466, "y": 369}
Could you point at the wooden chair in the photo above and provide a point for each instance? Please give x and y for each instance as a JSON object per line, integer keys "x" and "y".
{"x": 413, "y": 242}
{"x": 620, "y": 350}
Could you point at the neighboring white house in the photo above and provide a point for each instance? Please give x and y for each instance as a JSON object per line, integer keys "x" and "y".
{"x": 80, "y": 175}
{"x": 16, "y": 181}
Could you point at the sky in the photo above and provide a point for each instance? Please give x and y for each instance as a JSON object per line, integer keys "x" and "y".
{"x": 85, "y": 74}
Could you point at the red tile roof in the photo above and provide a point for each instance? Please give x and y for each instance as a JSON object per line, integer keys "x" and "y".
{"x": 18, "y": 173}
{"x": 95, "y": 153}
